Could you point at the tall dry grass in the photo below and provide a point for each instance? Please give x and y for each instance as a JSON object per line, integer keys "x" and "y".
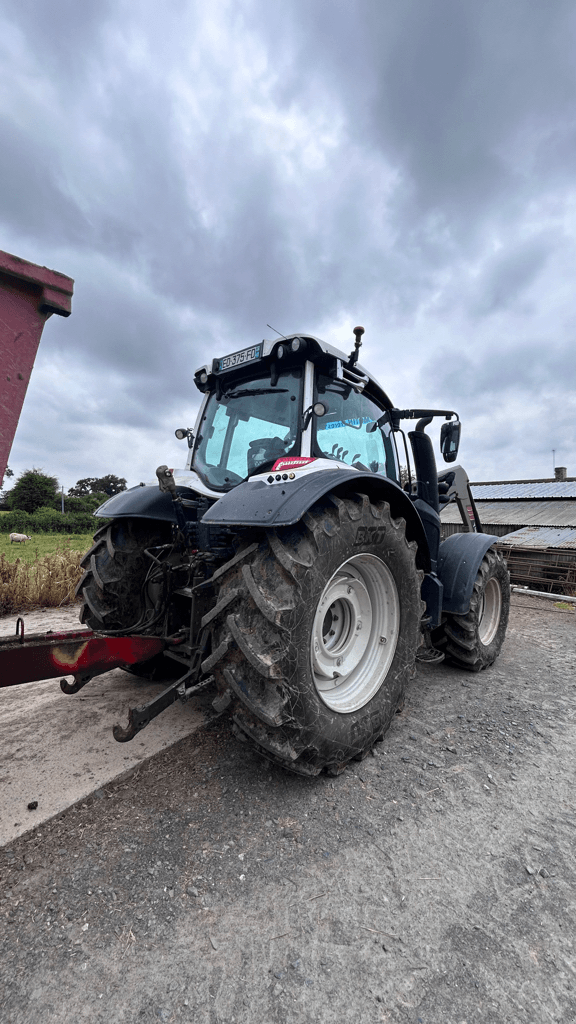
{"x": 47, "y": 583}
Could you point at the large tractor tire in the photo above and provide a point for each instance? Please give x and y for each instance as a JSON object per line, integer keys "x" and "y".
{"x": 474, "y": 641}
{"x": 314, "y": 634}
{"x": 113, "y": 591}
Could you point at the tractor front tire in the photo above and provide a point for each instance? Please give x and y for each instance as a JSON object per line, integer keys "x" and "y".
{"x": 112, "y": 588}
{"x": 315, "y": 631}
{"x": 474, "y": 641}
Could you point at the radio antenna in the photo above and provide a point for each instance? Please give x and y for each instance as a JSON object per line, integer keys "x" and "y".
{"x": 275, "y": 331}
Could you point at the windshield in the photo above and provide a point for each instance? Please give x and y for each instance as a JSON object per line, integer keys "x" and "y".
{"x": 348, "y": 432}
{"x": 251, "y": 426}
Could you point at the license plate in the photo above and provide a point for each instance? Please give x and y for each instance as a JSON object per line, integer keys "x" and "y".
{"x": 246, "y": 355}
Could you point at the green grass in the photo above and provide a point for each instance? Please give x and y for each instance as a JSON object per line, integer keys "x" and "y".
{"x": 44, "y": 544}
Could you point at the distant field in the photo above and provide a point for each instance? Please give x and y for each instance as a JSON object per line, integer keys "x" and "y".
{"x": 42, "y": 573}
{"x": 44, "y": 544}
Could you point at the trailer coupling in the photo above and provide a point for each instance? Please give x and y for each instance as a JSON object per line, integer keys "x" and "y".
{"x": 85, "y": 654}
{"x": 81, "y": 653}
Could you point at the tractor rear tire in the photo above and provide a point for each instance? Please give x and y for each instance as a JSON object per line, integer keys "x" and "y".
{"x": 474, "y": 641}
{"x": 112, "y": 587}
{"x": 314, "y": 634}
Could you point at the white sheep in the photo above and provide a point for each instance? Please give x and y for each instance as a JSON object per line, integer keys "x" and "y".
{"x": 19, "y": 538}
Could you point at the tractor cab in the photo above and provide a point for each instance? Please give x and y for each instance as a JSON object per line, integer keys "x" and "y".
{"x": 299, "y": 398}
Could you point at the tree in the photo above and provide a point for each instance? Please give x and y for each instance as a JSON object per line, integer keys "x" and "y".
{"x": 108, "y": 485}
{"x": 9, "y": 472}
{"x": 32, "y": 490}
{"x": 86, "y": 504}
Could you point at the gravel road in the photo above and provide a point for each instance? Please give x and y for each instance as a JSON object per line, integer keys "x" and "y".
{"x": 432, "y": 883}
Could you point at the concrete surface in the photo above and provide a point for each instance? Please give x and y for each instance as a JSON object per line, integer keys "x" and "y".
{"x": 57, "y": 749}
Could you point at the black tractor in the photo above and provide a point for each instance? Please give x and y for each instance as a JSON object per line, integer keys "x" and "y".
{"x": 289, "y": 567}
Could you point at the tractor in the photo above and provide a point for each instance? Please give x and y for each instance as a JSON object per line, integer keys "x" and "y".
{"x": 288, "y": 567}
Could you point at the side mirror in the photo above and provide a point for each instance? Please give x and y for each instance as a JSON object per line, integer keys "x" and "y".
{"x": 450, "y": 440}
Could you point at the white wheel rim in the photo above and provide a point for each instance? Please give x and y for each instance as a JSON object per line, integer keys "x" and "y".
{"x": 490, "y": 612}
{"x": 354, "y": 633}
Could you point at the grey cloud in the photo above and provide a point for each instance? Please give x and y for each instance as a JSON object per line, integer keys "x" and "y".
{"x": 63, "y": 33}
{"x": 454, "y": 131}
{"x": 502, "y": 371}
{"x": 32, "y": 199}
{"x": 510, "y": 273}
{"x": 446, "y": 90}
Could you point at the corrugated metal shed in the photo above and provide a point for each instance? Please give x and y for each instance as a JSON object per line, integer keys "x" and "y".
{"x": 541, "y": 537}
{"x": 517, "y": 513}
{"x": 547, "y": 489}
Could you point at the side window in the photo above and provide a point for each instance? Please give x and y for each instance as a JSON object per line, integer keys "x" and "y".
{"x": 217, "y": 436}
{"x": 346, "y": 433}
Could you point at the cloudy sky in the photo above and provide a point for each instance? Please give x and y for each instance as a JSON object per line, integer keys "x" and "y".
{"x": 204, "y": 168}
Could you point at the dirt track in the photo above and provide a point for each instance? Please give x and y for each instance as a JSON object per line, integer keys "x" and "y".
{"x": 434, "y": 882}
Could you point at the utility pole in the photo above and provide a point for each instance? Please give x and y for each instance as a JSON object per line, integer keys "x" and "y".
{"x": 553, "y": 461}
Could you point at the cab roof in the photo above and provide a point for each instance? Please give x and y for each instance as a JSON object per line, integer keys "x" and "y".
{"x": 317, "y": 350}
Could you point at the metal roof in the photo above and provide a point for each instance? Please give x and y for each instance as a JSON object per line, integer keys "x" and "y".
{"x": 534, "y": 489}
{"x": 518, "y": 513}
{"x": 541, "y": 537}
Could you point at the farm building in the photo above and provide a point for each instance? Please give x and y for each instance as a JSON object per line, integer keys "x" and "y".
{"x": 536, "y": 520}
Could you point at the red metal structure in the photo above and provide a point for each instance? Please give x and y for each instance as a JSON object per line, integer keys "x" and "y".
{"x": 82, "y": 653}
{"x": 29, "y": 294}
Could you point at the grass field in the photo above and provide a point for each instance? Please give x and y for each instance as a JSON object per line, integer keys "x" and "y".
{"x": 42, "y": 573}
{"x": 44, "y": 544}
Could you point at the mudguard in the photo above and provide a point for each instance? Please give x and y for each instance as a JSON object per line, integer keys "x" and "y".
{"x": 144, "y": 502}
{"x": 282, "y": 504}
{"x": 458, "y": 562}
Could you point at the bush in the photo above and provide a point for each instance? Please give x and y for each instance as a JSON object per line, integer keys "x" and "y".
{"x": 87, "y": 504}
{"x": 16, "y": 522}
{"x": 32, "y": 490}
{"x": 47, "y": 520}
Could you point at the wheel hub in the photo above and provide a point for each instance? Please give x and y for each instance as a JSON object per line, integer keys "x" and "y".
{"x": 490, "y": 612}
{"x": 354, "y": 633}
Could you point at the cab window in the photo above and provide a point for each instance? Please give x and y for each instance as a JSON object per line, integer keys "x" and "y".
{"x": 347, "y": 433}
{"x": 247, "y": 428}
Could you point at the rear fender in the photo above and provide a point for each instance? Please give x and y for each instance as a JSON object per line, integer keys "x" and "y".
{"x": 458, "y": 563}
{"x": 282, "y": 504}
{"x": 143, "y": 502}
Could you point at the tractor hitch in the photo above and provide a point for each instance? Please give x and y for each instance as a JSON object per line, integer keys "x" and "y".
{"x": 141, "y": 716}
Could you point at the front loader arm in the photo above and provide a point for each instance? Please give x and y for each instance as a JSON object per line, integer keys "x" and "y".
{"x": 454, "y": 483}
